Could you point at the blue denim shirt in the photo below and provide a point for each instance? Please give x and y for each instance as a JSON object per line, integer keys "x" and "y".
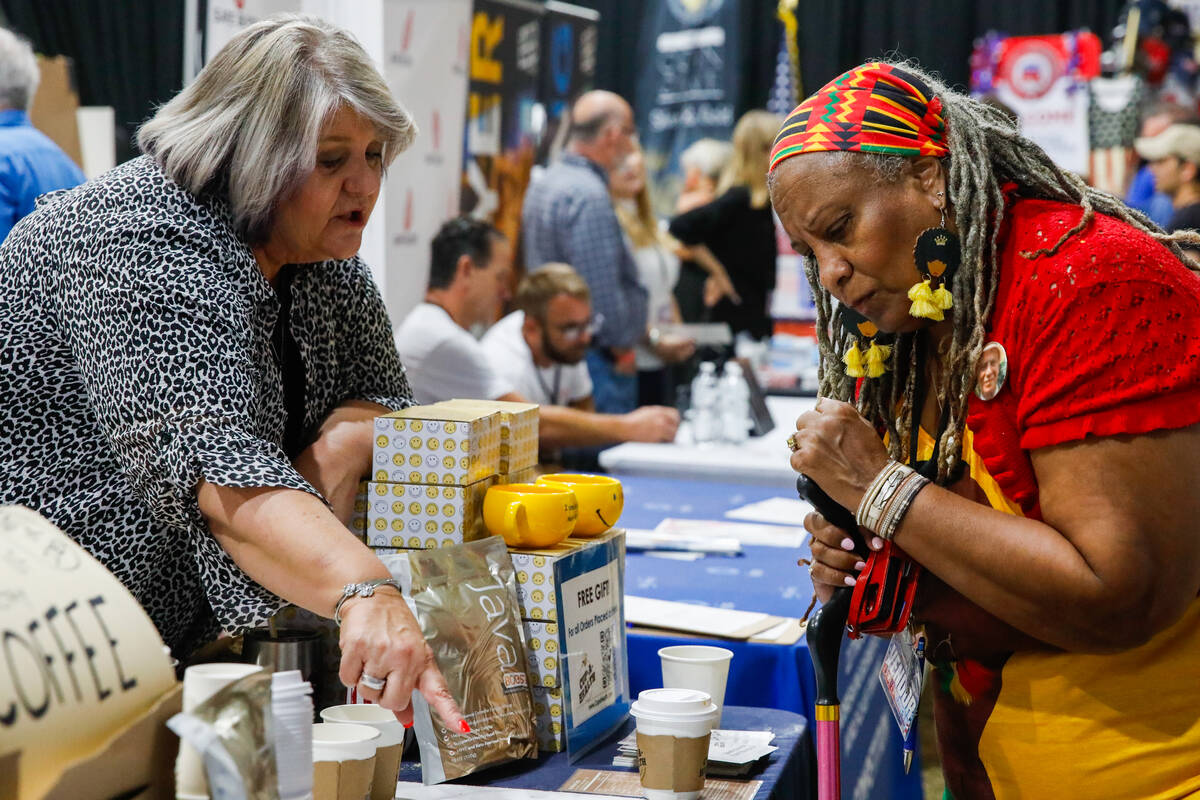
{"x": 30, "y": 165}
{"x": 568, "y": 217}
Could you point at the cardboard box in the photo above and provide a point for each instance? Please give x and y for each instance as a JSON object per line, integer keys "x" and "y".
{"x": 424, "y": 516}
{"x": 436, "y": 445}
{"x": 526, "y": 475}
{"x": 358, "y": 519}
{"x": 540, "y": 573}
{"x": 536, "y": 594}
{"x": 518, "y": 431}
{"x": 541, "y": 651}
{"x": 548, "y": 717}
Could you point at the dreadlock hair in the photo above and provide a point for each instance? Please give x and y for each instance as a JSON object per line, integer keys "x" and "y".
{"x": 986, "y": 152}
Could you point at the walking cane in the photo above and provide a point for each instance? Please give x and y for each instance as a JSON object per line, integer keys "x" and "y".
{"x": 824, "y": 637}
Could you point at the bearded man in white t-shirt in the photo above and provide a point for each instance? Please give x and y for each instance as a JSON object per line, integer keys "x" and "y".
{"x": 539, "y": 349}
{"x": 470, "y": 275}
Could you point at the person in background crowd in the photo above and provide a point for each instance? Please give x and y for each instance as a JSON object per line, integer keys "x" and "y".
{"x": 702, "y": 163}
{"x": 540, "y": 349}
{"x": 658, "y": 267}
{"x": 470, "y": 273}
{"x": 568, "y": 217}
{"x": 194, "y": 355}
{"x": 738, "y": 227}
{"x": 1049, "y": 497}
{"x": 1142, "y": 194}
{"x": 30, "y": 163}
{"x": 1173, "y": 158}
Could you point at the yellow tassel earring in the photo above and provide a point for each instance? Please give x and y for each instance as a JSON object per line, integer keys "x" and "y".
{"x": 873, "y": 363}
{"x": 937, "y": 255}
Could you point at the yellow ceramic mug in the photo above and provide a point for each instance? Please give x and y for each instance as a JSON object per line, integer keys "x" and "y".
{"x": 528, "y": 515}
{"x": 601, "y": 500}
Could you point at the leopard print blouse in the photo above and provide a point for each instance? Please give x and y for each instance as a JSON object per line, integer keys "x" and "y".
{"x": 136, "y": 359}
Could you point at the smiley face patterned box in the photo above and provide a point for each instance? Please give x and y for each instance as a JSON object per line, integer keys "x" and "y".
{"x": 535, "y": 579}
{"x": 436, "y": 445}
{"x": 541, "y": 651}
{"x": 358, "y": 520}
{"x": 548, "y": 716}
{"x": 541, "y": 572}
{"x": 423, "y": 516}
{"x": 526, "y": 475}
{"x": 518, "y": 430}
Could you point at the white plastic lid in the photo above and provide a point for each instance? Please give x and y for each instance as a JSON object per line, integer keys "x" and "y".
{"x": 339, "y": 741}
{"x": 684, "y": 705}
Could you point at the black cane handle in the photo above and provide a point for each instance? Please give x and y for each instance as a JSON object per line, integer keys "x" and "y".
{"x": 828, "y": 623}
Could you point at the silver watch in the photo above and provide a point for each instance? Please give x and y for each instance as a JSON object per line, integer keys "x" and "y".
{"x": 364, "y": 589}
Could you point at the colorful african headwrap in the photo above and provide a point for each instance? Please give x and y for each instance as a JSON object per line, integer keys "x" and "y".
{"x": 874, "y": 108}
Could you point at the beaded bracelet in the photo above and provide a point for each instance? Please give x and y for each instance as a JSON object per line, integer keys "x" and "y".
{"x": 888, "y": 498}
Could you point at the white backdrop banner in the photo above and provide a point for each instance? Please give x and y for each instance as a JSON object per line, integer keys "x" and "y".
{"x": 227, "y": 17}
{"x": 426, "y": 61}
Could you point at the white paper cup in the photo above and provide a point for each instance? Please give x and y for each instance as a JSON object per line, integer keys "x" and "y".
{"x": 673, "y": 728}
{"x": 200, "y": 682}
{"x": 699, "y": 667}
{"x": 343, "y": 761}
{"x": 389, "y": 746}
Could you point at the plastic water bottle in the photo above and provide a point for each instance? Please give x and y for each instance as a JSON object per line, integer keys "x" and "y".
{"x": 704, "y": 413}
{"x": 734, "y": 404}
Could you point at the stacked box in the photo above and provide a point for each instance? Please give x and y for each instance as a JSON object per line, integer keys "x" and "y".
{"x": 518, "y": 431}
{"x": 358, "y": 519}
{"x": 436, "y": 445}
{"x": 526, "y": 475}
{"x": 541, "y": 651}
{"x": 548, "y": 714}
{"x": 425, "y": 516}
{"x": 536, "y": 592}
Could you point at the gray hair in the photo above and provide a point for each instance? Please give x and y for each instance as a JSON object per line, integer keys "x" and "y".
{"x": 248, "y": 126}
{"x": 707, "y": 155}
{"x": 19, "y": 72}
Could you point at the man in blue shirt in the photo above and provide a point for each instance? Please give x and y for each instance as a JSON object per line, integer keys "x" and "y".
{"x": 30, "y": 163}
{"x": 568, "y": 217}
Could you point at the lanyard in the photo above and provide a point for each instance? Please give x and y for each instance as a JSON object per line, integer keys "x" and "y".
{"x": 551, "y": 394}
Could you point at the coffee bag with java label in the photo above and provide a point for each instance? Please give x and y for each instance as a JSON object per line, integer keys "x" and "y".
{"x": 465, "y": 599}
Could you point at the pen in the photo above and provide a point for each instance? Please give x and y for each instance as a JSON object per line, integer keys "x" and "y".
{"x": 910, "y": 741}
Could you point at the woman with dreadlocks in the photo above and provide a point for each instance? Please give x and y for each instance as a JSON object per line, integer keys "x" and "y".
{"x": 1048, "y": 490}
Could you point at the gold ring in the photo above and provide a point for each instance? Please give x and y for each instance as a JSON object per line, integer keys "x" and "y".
{"x": 791, "y": 443}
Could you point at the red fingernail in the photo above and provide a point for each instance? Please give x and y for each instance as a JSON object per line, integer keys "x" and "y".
{"x": 464, "y": 727}
{"x": 408, "y": 724}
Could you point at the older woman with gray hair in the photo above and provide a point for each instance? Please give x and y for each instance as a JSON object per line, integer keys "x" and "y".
{"x": 30, "y": 163}
{"x": 194, "y": 355}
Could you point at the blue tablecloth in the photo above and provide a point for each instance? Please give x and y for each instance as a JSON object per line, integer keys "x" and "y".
{"x": 785, "y": 776}
{"x": 764, "y": 579}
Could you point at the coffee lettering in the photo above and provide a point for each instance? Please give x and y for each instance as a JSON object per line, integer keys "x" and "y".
{"x": 68, "y": 655}
{"x": 88, "y": 650}
{"x": 18, "y": 684}
{"x": 45, "y": 661}
{"x": 126, "y": 685}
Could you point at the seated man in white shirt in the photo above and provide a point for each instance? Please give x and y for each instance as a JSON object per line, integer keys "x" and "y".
{"x": 469, "y": 277}
{"x": 539, "y": 349}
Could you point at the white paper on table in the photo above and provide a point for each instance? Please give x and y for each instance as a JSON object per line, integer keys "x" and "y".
{"x": 747, "y": 533}
{"x": 723, "y": 622}
{"x": 445, "y": 791}
{"x": 642, "y": 539}
{"x": 776, "y": 510}
{"x": 729, "y": 747}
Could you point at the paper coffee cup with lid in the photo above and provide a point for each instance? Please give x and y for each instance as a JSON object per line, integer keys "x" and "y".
{"x": 343, "y": 760}
{"x": 388, "y": 748}
{"x": 673, "y": 728}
